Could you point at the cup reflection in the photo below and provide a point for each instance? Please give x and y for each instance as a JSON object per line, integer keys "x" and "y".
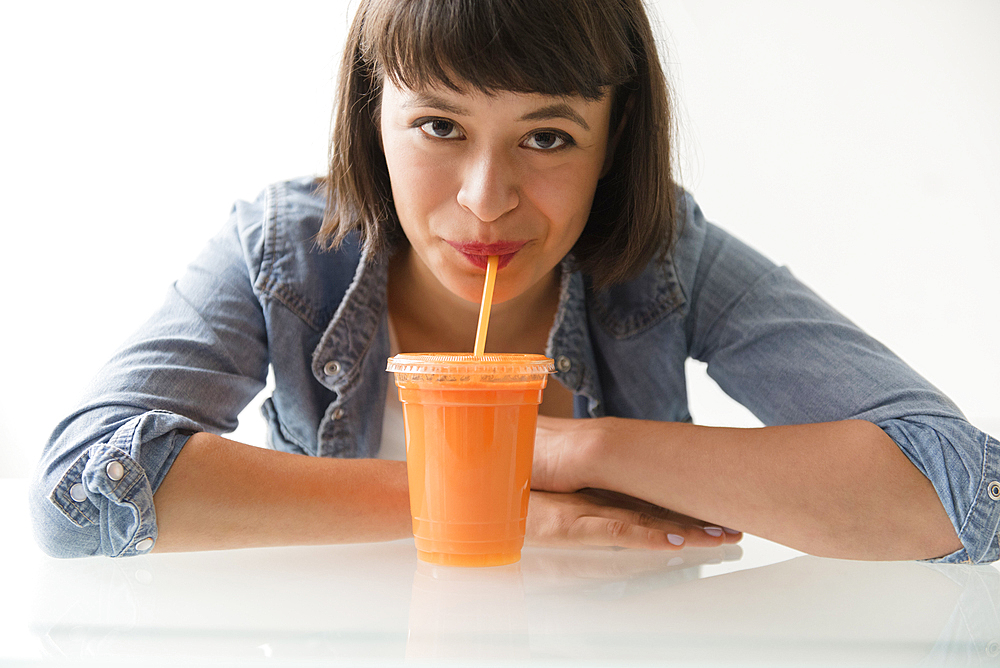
{"x": 460, "y": 613}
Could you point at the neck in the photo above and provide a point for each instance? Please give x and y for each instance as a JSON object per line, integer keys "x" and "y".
{"x": 430, "y": 318}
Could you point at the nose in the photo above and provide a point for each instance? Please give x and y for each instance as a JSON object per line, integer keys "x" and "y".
{"x": 489, "y": 186}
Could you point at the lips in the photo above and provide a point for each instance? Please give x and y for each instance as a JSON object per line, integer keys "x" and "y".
{"x": 478, "y": 253}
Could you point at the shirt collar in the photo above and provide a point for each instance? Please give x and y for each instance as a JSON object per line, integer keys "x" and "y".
{"x": 352, "y": 329}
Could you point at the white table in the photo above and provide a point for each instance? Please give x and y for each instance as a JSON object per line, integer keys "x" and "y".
{"x": 375, "y": 605}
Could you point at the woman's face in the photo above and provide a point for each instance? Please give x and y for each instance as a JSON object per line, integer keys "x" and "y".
{"x": 475, "y": 175}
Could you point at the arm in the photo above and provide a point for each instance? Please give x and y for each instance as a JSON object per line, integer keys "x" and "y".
{"x": 820, "y": 476}
{"x": 783, "y": 352}
{"x": 839, "y": 489}
{"x": 190, "y": 368}
{"x": 222, "y": 494}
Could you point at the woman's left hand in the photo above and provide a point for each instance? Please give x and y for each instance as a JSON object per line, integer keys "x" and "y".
{"x": 598, "y": 518}
{"x": 559, "y": 482}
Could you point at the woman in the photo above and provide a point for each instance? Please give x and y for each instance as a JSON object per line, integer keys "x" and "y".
{"x": 536, "y": 131}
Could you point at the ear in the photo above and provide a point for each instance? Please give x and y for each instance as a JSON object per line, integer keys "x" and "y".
{"x": 609, "y": 155}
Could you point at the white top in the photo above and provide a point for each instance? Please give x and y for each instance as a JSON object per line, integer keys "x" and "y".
{"x": 393, "y": 438}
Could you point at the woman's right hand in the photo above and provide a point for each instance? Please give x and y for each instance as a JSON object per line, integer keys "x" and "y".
{"x": 598, "y": 518}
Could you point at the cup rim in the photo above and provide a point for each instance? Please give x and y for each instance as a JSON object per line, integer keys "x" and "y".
{"x": 468, "y": 363}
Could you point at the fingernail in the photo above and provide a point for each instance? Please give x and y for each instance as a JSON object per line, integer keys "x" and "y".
{"x": 713, "y": 531}
{"x": 728, "y": 530}
{"x": 675, "y": 539}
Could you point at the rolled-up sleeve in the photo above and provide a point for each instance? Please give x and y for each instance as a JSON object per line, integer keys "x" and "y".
{"x": 192, "y": 367}
{"x": 963, "y": 464}
{"x": 103, "y": 501}
{"x": 780, "y": 350}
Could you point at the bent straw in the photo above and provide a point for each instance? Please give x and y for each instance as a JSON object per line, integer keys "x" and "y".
{"x": 484, "y": 308}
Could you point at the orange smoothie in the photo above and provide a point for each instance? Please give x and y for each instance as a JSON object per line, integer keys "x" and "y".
{"x": 470, "y": 437}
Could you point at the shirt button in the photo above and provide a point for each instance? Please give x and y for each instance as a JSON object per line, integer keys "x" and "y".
{"x": 563, "y": 363}
{"x": 331, "y": 368}
{"x": 144, "y": 544}
{"x": 77, "y": 493}
{"x": 338, "y": 413}
{"x": 115, "y": 471}
{"x": 994, "y": 490}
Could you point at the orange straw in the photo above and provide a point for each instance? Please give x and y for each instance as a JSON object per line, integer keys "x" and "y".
{"x": 484, "y": 308}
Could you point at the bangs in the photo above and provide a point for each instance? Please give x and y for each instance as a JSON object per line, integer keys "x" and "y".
{"x": 550, "y": 47}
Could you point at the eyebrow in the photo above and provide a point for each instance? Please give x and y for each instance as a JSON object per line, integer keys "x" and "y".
{"x": 557, "y": 110}
{"x": 436, "y": 102}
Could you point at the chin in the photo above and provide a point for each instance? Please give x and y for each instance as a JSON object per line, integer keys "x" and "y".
{"x": 502, "y": 295}
{"x": 469, "y": 289}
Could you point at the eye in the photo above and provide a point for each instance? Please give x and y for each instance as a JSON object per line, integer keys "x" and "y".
{"x": 439, "y": 128}
{"x": 548, "y": 140}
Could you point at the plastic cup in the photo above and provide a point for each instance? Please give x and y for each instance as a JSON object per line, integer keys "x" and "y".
{"x": 470, "y": 437}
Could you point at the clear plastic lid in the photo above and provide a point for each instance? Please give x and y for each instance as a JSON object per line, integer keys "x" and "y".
{"x": 456, "y": 366}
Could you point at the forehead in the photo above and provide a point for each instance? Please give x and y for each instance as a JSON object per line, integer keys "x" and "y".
{"x": 468, "y": 101}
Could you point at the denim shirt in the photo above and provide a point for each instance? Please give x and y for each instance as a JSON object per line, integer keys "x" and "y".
{"x": 262, "y": 294}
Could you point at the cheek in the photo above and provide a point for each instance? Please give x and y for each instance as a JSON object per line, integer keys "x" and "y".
{"x": 564, "y": 198}
{"x": 419, "y": 185}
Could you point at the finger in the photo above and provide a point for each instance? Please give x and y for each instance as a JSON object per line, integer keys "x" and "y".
{"x": 731, "y": 536}
{"x": 728, "y": 536}
{"x": 606, "y": 497}
{"x": 609, "y": 532}
{"x": 614, "y": 527}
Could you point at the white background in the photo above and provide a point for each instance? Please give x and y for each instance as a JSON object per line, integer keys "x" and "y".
{"x": 858, "y": 142}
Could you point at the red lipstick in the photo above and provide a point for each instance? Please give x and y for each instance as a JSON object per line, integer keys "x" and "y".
{"x": 478, "y": 253}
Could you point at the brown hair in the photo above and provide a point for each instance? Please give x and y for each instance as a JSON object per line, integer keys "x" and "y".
{"x": 553, "y": 47}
